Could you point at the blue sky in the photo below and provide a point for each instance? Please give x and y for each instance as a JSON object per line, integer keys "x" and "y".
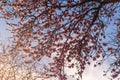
{"x": 4, "y": 33}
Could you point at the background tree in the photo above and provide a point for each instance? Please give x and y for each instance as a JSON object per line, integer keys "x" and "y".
{"x": 64, "y": 30}
{"x": 13, "y": 67}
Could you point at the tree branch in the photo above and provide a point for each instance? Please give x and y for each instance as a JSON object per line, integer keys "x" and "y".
{"x": 110, "y": 1}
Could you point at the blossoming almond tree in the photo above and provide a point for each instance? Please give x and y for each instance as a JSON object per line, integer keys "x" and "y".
{"x": 64, "y": 30}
